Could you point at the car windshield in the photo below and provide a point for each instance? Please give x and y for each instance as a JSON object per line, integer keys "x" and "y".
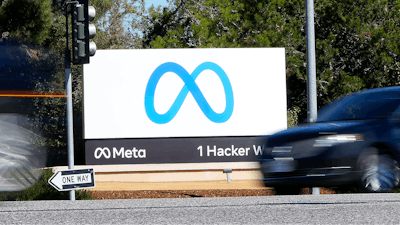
{"x": 360, "y": 107}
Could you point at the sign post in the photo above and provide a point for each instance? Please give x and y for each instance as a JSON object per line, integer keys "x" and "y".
{"x": 68, "y": 87}
{"x": 311, "y": 71}
{"x": 72, "y": 179}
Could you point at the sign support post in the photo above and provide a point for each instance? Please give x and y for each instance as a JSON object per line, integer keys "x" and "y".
{"x": 68, "y": 84}
{"x": 311, "y": 71}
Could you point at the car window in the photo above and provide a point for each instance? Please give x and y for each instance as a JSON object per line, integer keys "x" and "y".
{"x": 357, "y": 107}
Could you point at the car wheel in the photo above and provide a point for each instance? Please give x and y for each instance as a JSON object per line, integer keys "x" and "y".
{"x": 287, "y": 190}
{"x": 379, "y": 172}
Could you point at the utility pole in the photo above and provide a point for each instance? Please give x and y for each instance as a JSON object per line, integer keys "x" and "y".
{"x": 311, "y": 71}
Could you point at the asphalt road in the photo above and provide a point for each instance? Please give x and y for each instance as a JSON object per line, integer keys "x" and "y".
{"x": 303, "y": 209}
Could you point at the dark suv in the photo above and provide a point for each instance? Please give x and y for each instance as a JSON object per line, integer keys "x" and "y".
{"x": 356, "y": 140}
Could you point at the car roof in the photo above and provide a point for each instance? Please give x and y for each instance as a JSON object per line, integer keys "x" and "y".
{"x": 395, "y": 90}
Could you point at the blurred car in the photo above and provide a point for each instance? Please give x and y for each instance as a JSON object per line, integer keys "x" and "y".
{"x": 355, "y": 140}
{"x": 21, "y": 156}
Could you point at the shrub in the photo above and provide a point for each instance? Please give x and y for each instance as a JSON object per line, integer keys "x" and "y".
{"x": 293, "y": 116}
{"x": 42, "y": 190}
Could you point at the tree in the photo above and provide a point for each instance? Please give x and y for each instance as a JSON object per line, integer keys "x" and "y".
{"x": 27, "y": 19}
{"x": 225, "y": 23}
{"x": 357, "y": 44}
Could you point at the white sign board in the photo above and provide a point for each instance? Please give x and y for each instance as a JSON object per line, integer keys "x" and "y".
{"x": 72, "y": 179}
{"x": 185, "y": 93}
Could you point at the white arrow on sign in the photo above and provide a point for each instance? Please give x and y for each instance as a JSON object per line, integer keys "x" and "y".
{"x": 72, "y": 179}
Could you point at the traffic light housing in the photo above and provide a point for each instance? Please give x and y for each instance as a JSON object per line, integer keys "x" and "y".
{"x": 82, "y": 32}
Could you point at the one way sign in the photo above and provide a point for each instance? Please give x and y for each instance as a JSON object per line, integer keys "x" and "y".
{"x": 72, "y": 179}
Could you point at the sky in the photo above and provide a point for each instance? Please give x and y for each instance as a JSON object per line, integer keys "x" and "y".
{"x": 148, "y": 4}
{"x": 156, "y": 2}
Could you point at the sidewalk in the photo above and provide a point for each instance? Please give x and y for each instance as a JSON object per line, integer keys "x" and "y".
{"x": 194, "y": 185}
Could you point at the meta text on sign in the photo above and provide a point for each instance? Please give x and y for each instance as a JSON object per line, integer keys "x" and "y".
{"x": 122, "y": 153}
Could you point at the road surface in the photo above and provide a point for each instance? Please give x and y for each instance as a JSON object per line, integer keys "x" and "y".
{"x": 303, "y": 209}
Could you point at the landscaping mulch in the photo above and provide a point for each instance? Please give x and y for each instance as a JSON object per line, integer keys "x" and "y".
{"x": 191, "y": 193}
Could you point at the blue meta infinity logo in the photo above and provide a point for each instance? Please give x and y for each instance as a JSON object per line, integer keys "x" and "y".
{"x": 190, "y": 85}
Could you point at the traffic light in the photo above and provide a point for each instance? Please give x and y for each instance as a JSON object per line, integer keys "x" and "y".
{"x": 82, "y": 32}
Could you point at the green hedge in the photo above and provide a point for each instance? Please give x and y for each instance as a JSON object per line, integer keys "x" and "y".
{"x": 42, "y": 190}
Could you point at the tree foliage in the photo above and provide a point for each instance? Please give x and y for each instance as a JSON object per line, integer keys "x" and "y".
{"x": 357, "y": 44}
{"x": 114, "y": 30}
{"x": 230, "y": 24}
{"x": 27, "y": 19}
